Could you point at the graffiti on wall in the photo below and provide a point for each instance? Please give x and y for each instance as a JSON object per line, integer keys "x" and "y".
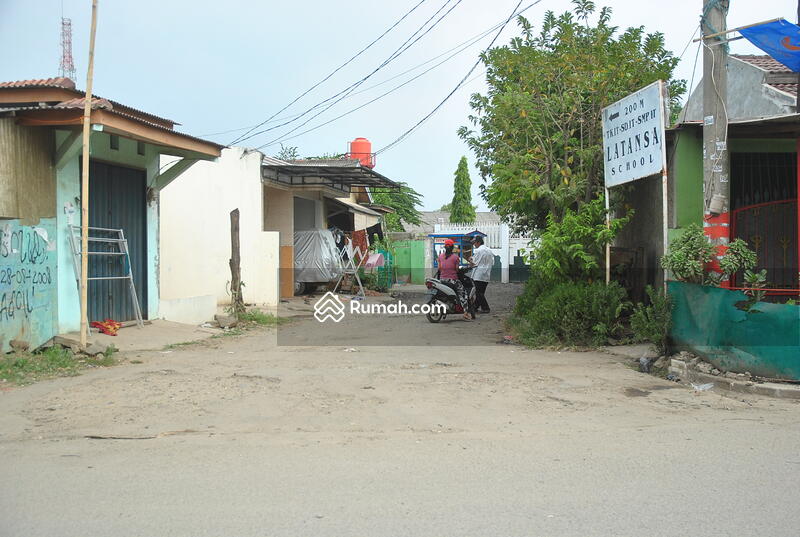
{"x": 28, "y": 290}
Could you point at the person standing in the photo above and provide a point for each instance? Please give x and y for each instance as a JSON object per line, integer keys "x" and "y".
{"x": 448, "y": 273}
{"x": 483, "y": 260}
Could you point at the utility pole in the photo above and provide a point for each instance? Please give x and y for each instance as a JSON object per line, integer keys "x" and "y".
{"x": 87, "y": 116}
{"x": 716, "y": 166}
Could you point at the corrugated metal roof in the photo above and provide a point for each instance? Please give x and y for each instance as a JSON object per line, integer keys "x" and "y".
{"x": 58, "y": 82}
{"x": 68, "y": 84}
{"x": 80, "y": 102}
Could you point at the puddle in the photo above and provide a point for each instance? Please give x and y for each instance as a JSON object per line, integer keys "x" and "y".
{"x": 636, "y": 392}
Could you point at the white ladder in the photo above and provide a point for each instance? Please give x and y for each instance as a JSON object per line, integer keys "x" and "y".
{"x": 121, "y": 243}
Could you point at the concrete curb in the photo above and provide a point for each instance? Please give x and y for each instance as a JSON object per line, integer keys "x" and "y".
{"x": 770, "y": 389}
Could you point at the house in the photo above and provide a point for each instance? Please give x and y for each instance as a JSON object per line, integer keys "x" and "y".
{"x": 762, "y": 144}
{"x": 40, "y": 189}
{"x": 275, "y": 198}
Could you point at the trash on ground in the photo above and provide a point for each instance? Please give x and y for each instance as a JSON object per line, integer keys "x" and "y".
{"x": 702, "y": 387}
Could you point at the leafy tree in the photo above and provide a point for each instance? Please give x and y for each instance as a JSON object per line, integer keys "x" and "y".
{"x": 404, "y": 201}
{"x": 574, "y": 248}
{"x": 288, "y": 152}
{"x": 461, "y": 208}
{"x": 446, "y": 207}
{"x": 537, "y": 132}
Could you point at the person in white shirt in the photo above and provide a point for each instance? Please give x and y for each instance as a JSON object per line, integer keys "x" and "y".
{"x": 483, "y": 260}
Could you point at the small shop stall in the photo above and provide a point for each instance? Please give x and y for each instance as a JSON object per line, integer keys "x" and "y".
{"x": 463, "y": 245}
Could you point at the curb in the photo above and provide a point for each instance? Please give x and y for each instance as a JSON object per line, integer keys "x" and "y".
{"x": 770, "y": 389}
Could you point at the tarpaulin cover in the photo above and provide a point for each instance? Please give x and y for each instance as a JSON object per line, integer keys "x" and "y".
{"x": 316, "y": 258}
{"x": 707, "y": 320}
{"x": 780, "y": 39}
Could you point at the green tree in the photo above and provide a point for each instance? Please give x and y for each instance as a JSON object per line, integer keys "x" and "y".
{"x": 404, "y": 201}
{"x": 446, "y": 207}
{"x": 288, "y": 152}
{"x": 537, "y": 132}
{"x": 461, "y": 208}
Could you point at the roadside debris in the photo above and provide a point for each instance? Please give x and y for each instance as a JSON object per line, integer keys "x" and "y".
{"x": 702, "y": 387}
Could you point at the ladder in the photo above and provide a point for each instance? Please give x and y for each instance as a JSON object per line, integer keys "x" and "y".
{"x": 115, "y": 239}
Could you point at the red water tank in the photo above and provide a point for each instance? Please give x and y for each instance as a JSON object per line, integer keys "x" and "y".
{"x": 361, "y": 149}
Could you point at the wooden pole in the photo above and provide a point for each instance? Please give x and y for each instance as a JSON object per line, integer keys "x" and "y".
{"x": 664, "y": 91}
{"x": 87, "y": 116}
{"x": 237, "y": 303}
{"x": 608, "y": 244}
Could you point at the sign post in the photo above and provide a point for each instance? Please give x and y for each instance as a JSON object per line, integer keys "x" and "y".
{"x": 634, "y": 146}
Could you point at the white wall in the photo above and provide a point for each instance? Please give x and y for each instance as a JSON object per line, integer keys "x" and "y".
{"x": 195, "y": 235}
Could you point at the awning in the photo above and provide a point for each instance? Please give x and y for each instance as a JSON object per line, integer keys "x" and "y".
{"x": 353, "y": 207}
{"x": 344, "y": 176}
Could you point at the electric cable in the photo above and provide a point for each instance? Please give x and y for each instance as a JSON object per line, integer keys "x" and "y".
{"x": 413, "y": 39}
{"x": 357, "y": 54}
{"x": 461, "y": 83}
{"x": 463, "y": 45}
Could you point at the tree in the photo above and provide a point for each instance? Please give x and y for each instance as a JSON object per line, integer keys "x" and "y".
{"x": 461, "y": 208}
{"x": 288, "y": 152}
{"x": 404, "y": 201}
{"x": 537, "y": 132}
{"x": 446, "y": 207}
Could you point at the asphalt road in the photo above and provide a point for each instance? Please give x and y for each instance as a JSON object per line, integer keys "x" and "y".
{"x": 245, "y": 437}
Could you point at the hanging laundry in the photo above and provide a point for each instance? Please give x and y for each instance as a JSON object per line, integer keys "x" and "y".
{"x": 361, "y": 243}
{"x": 372, "y": 231}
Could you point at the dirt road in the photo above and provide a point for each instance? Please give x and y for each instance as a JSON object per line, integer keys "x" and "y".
{"x": 244, "y": 437}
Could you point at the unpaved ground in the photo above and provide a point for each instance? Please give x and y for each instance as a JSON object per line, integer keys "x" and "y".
{"x": 244, "y": 437}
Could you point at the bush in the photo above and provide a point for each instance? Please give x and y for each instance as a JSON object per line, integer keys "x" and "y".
{"x": 570, "y": 313}
{"x": 652, "y": 323}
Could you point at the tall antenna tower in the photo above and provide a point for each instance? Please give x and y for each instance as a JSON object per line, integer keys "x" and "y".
{"x": 67, "y": 68}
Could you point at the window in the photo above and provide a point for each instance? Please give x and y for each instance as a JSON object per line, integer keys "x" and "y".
{"x": 140, "y": 148}
{"x": 114, "y": 141}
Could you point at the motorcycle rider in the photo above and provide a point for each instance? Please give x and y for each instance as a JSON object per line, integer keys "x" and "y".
{"x": 448, "y": 273}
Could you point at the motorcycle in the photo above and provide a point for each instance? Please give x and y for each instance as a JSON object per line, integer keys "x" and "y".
{"x": 445, "y": 297}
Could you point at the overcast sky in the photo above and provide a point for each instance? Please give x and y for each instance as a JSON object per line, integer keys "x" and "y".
{"x": 223, "y": 65}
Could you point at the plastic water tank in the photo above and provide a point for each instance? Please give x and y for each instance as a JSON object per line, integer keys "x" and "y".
{"x": 361, "y": 149}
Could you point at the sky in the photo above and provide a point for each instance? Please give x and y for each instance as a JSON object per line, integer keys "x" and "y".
{"x": 215, "y": 67}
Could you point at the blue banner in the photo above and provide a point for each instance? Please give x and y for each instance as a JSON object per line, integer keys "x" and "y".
{"x": 779, "y": 39}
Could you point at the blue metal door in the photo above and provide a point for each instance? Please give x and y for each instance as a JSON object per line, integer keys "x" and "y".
{"x": 117, "y": 200}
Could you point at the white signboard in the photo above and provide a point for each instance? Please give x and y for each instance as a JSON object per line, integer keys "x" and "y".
{"x": 633, "y": 136}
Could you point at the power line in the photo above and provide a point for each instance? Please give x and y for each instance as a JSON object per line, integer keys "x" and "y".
{"x": 407, "y": 44}
{"x": 461, "y": 83}
{"x": 468, "y": 42}
{"x": 382, "y": 95}
{"x": 357, "y": 54}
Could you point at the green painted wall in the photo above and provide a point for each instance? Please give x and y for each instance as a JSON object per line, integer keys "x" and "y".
{"x": 688, "y": 172}
{"x": 68, "y": 212}
{"x": 28, "y": 282}
{"x": 410, "y": 261}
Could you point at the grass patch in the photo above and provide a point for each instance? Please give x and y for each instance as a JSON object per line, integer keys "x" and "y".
{"x": 22, "y": 368}
{"x": 260, "y": 318}
{"x": 228, "y": 333}
{"x": 172, "y": 346}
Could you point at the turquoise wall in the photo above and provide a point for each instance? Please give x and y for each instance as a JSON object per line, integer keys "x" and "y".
{"x": 28, "y": 282}
{"x": 68, "y": 212}
{"x": 707, "y": 321}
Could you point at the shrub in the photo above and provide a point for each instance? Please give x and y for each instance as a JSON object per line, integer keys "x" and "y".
{"x": 571, "y": 313}
{"x": 688, "y": 255}
{"x": 651, "y": 323}
{"x": 574, "y": 248}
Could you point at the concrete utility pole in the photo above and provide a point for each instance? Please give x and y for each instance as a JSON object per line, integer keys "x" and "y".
{"x": 716, "y": 191}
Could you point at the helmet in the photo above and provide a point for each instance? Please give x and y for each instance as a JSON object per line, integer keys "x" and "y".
{"x": 449, "y": 242}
